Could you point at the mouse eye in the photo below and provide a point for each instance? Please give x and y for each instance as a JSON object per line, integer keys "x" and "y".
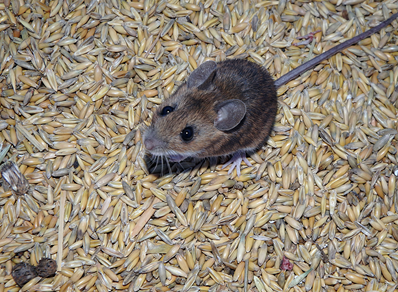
{"x": 166, "y": 110}
{"x": 187, "y": 134}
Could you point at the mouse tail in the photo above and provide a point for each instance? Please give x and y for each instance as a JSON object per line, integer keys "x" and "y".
{"x": 315, "y": 61}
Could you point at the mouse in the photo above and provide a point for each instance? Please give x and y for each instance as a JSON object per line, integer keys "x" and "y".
{"x": 225, "y": 108}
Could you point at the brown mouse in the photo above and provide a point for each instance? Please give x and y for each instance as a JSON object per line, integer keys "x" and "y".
{"x": 225, "y": 108}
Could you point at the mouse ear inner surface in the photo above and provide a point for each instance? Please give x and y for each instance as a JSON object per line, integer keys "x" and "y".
{"x": 203, "y": 75}
{"x": 229, "y": 114}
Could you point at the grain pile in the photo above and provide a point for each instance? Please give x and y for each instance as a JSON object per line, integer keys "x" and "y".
{"x": 318, "y": 209}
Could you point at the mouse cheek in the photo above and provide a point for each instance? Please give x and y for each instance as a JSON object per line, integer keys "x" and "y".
{"x": 178, "y": 145}
{"x": 197, "y": 145}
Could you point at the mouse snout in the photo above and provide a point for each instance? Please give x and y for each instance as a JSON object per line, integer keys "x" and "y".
{"x": 152, "y": 143}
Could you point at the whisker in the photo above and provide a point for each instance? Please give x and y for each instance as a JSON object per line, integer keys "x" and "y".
{"x": 168, "y": 166}
{"x": 160, "y": 160}
{"x": 155, "y": 162}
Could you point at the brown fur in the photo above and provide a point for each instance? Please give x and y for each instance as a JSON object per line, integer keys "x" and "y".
{"x": 234, "y": 79}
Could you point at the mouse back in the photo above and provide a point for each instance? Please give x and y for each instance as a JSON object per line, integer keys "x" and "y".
{"x": 222, "y": 108}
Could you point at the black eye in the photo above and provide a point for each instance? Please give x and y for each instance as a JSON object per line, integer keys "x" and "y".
{"x": 166, "y": 110}
{"x": 187, "y": 134}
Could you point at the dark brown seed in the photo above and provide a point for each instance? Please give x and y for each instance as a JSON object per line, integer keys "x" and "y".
{"x": 46, "y": 268}
{"x": 23, "y": 273}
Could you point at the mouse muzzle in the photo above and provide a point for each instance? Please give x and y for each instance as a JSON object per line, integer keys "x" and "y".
{"x": 152, "y": 144}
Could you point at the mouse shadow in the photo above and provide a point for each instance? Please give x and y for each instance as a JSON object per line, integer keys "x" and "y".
{"x": 161, "y": 166}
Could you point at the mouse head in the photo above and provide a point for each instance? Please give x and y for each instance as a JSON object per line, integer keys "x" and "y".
{"x": 193, "y": 120}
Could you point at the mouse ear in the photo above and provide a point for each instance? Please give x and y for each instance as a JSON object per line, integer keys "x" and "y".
{"x": 203, "y": 75}
{"x": 229, "y": 114}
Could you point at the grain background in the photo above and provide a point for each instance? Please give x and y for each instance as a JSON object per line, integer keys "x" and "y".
{"x": 316, "y": 212}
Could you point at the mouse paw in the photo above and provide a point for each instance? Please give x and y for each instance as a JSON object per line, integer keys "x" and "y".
{"x": 236, "y": 161}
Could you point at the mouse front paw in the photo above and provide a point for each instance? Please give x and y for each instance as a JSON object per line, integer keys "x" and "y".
{"x": 236, "y": 162}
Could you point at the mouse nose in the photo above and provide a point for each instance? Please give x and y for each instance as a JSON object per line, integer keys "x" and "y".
{"x": 150, "y": 143}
